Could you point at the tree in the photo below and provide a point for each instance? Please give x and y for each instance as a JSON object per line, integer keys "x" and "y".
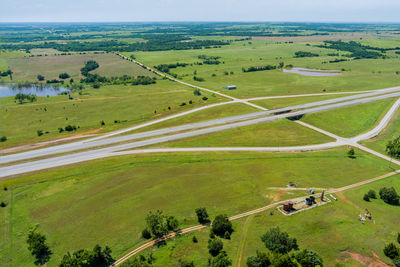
{"x": 351, "y": 153}
{"x": 90, "y": 258}
{"x": 260, "y": 260}
{"x": 215, "y": 246}
{"x": 194, "y": 239}
{"x": 221, "y": 225}
{"x": 283, "y": 261}
{"x": 398, "y": 238}
{"x": 39, "y": 132}
{"x": 279, "y": 242}
{"x": 391, "y": 251}
{"x": 308, "y": 258}
{"x": 172, "y": 223}
{"x": 38, "y": 247}
{"x": 63, "y": 75}
{"x": 3, "y": 138}
{"x": 389, "y": 195}
{"x": 183, "y": 263}
{"x": 366, "y": 197}
{"x": 157, "y": 224}
{"x": 197, "y": 92}
{"x": 202, "y": 215}
{"x": 222, "y": 260}
{"x": 40, "y": 77}
{"x": 393, "y": 148}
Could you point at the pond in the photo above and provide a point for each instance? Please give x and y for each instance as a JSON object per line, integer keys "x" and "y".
{"x": 11, "y": 90}
{"x": 313, "y": 72}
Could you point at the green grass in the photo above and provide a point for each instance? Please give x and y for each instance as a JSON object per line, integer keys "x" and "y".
{"x": 362, "y": 74}
{"x": 275, "y": 133}
{"x": 105, "y": 201}
{"x": 328, "y": 230}
{"x": 129, "y": 104}
{"x": 350, "y": 121}
{"x": 27, "y": 69}
{"x": 291, "y": 101}
{"x": 204, "y": 115}
{"x": 391, "y": 132}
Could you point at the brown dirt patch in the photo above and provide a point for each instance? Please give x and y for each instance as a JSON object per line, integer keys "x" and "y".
{"x": 367, "y": 261}
{"x": 342, "y": 197}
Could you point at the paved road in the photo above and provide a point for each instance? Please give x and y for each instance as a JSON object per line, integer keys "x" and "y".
{"x": 229, "y": 122}
{"x": 110, "y": 151}
{"x": 245, "y": 214}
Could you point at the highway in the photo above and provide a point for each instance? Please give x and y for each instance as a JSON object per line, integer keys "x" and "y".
{"x": 108, "y": 151}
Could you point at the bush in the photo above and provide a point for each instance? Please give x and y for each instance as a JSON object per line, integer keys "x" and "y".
{"x": 261, "y": 260}
{"x": 389, "y": 195}
{"x": 194, "y": 239}
{"x": 3, "y": 138}
{"x": 39, "y": 132}
{"x": 391, "y": 251}
{"x": 3, "y": 204}
{"x": 398, "y": 234}
{"x": 371, "y": 194}
{"x": 63, "y": 76}
{"x": 197, "y": 92}
{"x": 205, "y": 98}
{"x": 146, "y": 233}
{"x": 40, "y": 77}
{"x": 279, "y": 242}
{"x": 221, "y": 225}
{"x": 215, "y": 246}
{"x": 221, "y": 260}
{"x": 366, "y": 197}
{"x": 308, "y": 258}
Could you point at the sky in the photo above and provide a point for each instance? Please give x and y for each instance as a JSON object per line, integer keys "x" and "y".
{"x": 199, "y": 10}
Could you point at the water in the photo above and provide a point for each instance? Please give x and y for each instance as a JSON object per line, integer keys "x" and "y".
{"x": 313, "y": 72}
{"x": 8, "y": 90}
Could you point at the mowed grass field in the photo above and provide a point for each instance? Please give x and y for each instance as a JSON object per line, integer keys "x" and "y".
{"x": 270, "y": 134}
{"x": 27, "y": 69}
{"x": 130, "y": 105}
{"x": 329, "y": 230}
{"x": 350, "y": 121}
{"x": 359, "y": 75}
{"x": 105, "y": 201}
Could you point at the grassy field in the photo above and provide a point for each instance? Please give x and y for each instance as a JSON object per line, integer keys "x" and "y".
{"x": 5, "y": 56}
{"x": 291, "y": 101}
{"x": 361, "y": 74}
{"x": 128, "y": 104}
{"x": 350, "y": 121}
{"x": 106, "y": 201}
{"x": 391, "y": 132}
{"x": 204, "y": 115}
{"x": 329, "y": 230}
{"x": 276, "y": 133}
{"x": 27, "y": 69}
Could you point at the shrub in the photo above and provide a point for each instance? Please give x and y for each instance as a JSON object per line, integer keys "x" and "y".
{"x": 194, "y": 239}
{"x": 215, "y": 246}
{"x": 202, "y": 215}
{"x": 389, "y": 195}
{"x": 39, "y": 132}
{"x": 221, "y": 225}
{"x": 146, "y": 233}
{"x": 205, "y": 98}
{"x": 279, "y": 242}
{"x": 3, "y": 138}
{"x": 3, "y": 204}
{"x": 197, "y": 92}
{"x": 40, "y": 77}
{"x": 63, "y": 76}
{"x": 366, "y": 197}
{"x": 371, "y": 194}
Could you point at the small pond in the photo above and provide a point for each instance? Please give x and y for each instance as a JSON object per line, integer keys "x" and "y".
{"x": 12, "y": 90}
{"x": 313, "y": 72}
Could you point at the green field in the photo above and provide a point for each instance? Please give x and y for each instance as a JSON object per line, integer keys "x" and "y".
{"x": 105, "y": 201}
{"x": 212, "y": 113}
{"x": 391, "y": 132}
{"x": 329, "y": 230}
{"x": 27, "y": 69}
{"x": 128, "y": 104}
{"x": 363, "y": 74}
{"x": 275, "y": 133}
{"x": 350, "y": 121}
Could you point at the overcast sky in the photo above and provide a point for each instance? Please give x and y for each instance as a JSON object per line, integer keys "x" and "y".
{"x": 200, "y": 10}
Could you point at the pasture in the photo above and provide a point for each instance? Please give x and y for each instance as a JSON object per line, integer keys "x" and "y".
{"x": 106, "y": 201}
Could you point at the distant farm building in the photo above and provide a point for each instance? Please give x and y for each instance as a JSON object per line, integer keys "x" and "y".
{"x": 230, "y": 87}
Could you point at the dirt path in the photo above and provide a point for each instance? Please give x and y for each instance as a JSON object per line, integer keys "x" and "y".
{"x": 367, "y": 261}
{"x": 243, "y": 238}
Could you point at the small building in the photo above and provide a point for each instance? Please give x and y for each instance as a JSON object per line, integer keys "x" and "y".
{"x": 288, "y": 206}
{"x": 230, "y": 87}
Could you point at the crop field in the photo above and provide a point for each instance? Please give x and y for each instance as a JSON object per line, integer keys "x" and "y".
{"x": 129, "y": 105}
{"x": 271, "y": 134}
{"x": 115, "y": 194}
{"x": 362, "y": 74}
{"x": 350, "y": 121}
{"x": 27, "y": 69}
{"x": 331, "y": 236}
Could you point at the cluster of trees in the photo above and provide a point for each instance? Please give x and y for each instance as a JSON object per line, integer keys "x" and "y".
{"x": 209, "y": 60}
{"x": 357, "y": 50}
{"x": 89, "y": 66}
{"x": 159, "y": 225}
{"x": 261, "y": 68}
{"x": 198, "y": 79}
{"x": 41, "y": 251}
{"x": 393, "y": 252}
{"x": 305, "y": 54}
{"x": 279, "y": 245}
{"x": 389, "y": 195}
{"x": 96, "y": 80}
{"x": 336, "y": 60}
{"x": 166, "y": 67}
{"x": 64, "y": 75}
{"x": 371, "y": 194}
{"x": 22, "y": 97}
{"x": 6, "y": 73}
